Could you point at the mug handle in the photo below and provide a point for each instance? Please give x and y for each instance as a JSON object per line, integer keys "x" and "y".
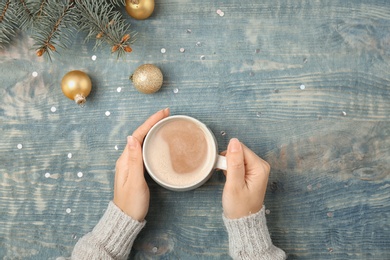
{"x": 220, "y": 163}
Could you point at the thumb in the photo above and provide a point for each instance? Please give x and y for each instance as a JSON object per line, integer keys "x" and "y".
{"x": 235, "y": 163}
{"x": 136, "y": 167}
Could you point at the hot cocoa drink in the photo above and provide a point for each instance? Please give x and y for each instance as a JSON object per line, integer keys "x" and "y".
{"x": 179, "y": 152}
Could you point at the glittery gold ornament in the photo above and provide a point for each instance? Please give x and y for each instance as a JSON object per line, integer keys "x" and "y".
{"x": 76, "y": 85}
{"x": 147, "y": 78}
{"x": 139, "y": 9}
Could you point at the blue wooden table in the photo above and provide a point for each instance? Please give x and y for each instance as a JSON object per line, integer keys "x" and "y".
{"x": 305, "y": 84}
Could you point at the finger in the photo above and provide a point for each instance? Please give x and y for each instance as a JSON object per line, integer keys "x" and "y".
{"x": 223, "y": 153}
{"x": 252, "y": 160}
{"x": 141, "y": 131}
{"x": 121, "y": 168}
{"x": 136, "y": 167}
{"x": 235, "y": 163}
{"x": 257, "y": 170}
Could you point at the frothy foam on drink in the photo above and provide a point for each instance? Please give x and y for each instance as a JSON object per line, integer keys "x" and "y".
{"x": 179, "y": 153}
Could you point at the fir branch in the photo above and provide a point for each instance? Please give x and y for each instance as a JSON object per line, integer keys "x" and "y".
{"x": 25, "y": 7}
{"x": 25, "y": 13}
{"x": 52, "y": 23}
{"x": 41, "y": 7}
{"x": 5, "y": 8}
{"x": 8, "y": 26}
{"x": 54, "y": 26}
{"x": 101, "y": 22}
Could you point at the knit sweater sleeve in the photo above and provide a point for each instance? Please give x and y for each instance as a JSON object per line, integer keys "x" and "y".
{"x": 111, "y": 238}
{"x": 249, "y": 238}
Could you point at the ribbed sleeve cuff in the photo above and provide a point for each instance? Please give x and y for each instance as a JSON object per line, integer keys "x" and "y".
{"x": 117, "y": 231}
{"x": 249, "y": 238}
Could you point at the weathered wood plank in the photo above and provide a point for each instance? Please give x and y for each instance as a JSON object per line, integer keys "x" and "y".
{"x": 327, "y": 142}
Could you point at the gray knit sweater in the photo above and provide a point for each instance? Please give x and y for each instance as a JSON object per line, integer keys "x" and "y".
{"x": 113, "y": 237}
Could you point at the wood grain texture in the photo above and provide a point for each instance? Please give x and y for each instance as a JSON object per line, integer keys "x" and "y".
{"x": 328, "y": 144}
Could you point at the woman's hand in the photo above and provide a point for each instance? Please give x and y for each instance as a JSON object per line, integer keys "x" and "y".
{"x": 246, "y": 181}
{"x": 131, "y": 192}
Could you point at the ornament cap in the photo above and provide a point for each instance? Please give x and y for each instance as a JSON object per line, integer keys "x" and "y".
{"x": 80, "y": 99}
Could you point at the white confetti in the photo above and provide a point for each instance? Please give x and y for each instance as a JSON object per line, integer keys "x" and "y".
{"x": 53, "y": 109}
{"x": 182, "y": 50}
{"x": 119, "y": 89}
{"x": 163, "y": 50}
{"x": 93, "y": 57}
{"x": 20, "y": 146}
{"x": 344, "y": 113}
{"x": 108, "y": 113}
{"x": 267, "y": 211}
{"x": 221, "y": 14}
{"x": 202, "y": 57}
{"x": 79, "y": 174}
{"x": 69, "y": 155}
{"x": 175, "y": 90}
{"x": 116, "y": 147}
{"x": 47, "y": 175}
{"x": 68, "y": 210}
{"x": 35, "y": 74}
{"x": 302, "y": 87}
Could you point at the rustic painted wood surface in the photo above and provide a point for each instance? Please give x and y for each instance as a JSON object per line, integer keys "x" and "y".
{"x": 328, "y": 144}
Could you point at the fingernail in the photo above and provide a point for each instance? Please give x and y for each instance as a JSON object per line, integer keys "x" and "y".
{"x": 131, "y": 142}
{"x": 166, "y": 110}
{"x": 234, "y": 145}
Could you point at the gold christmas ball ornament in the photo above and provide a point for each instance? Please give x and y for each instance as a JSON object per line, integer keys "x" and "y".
{"x": 76, "y": 85}
{"x": 147, "y": 78}
{"x": 139, "y": 9}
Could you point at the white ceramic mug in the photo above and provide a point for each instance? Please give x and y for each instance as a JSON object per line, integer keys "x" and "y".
{"x": 157, "y": 153}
